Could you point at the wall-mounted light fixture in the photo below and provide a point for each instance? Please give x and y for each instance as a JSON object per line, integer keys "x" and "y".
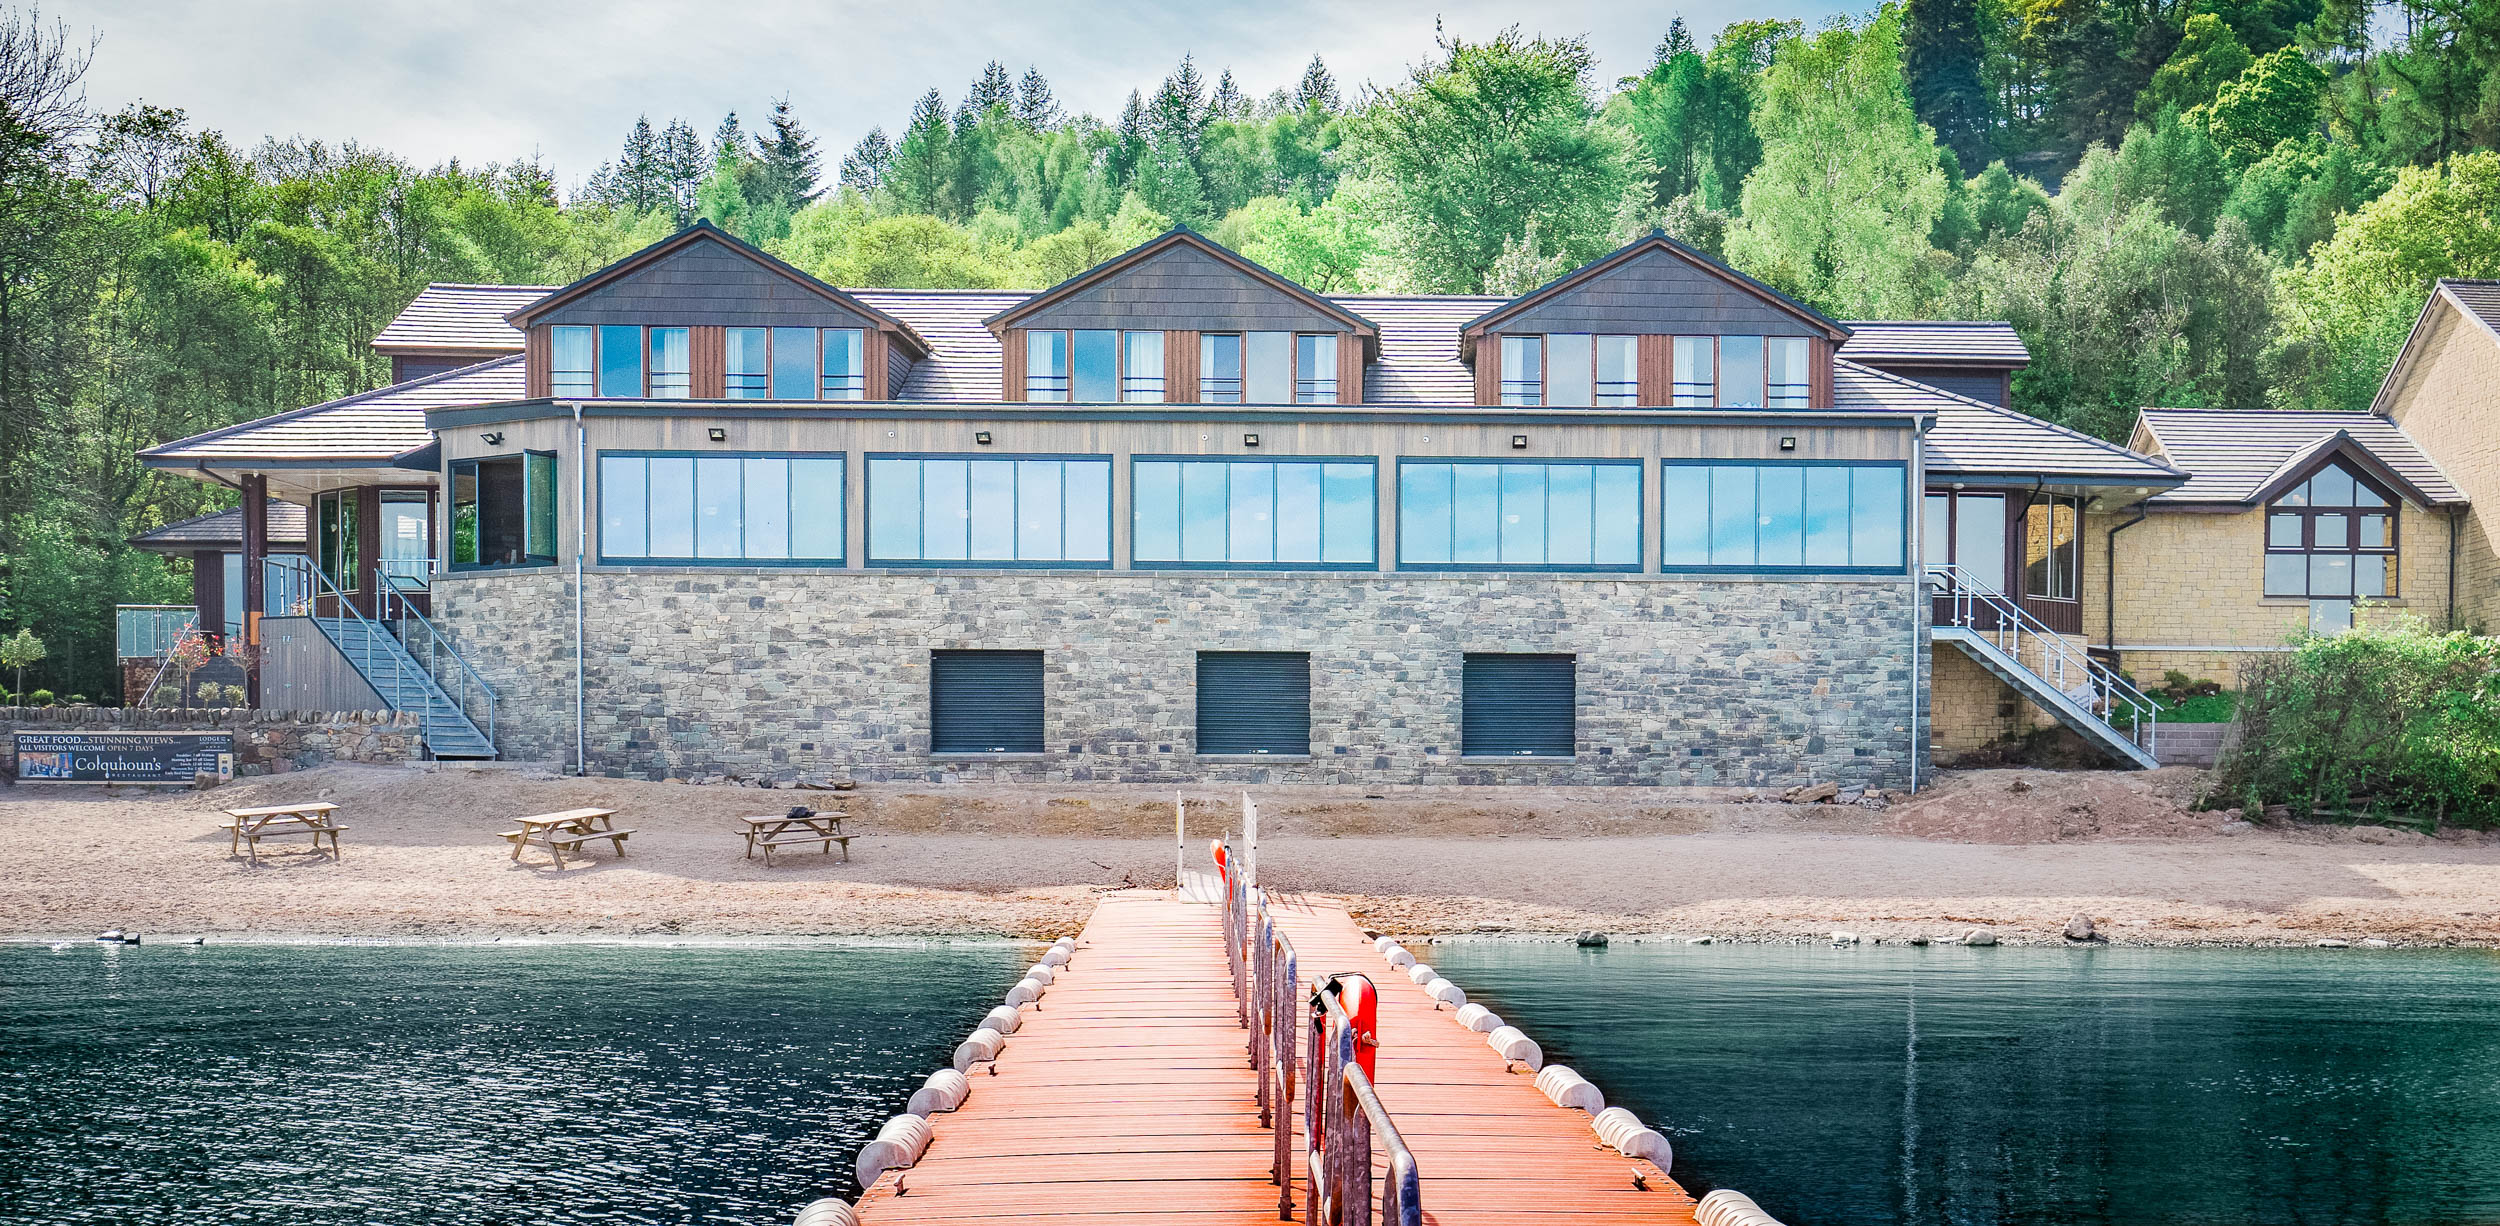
{"x": 1519, "y": 442}
{"x": 1249, "y": 440}
{"x": 1788, "y": 442}
{"x": 719, "y": 435}
{"x": 494, "y": 438}
{"x": 982, "y": 437}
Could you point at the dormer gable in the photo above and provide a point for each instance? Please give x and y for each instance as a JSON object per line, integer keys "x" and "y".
{"x": 1182, "y": 319}
{"x": 1656, "y": 285}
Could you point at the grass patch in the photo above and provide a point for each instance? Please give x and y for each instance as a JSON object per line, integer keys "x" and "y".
{"x": 2201, "y": 709}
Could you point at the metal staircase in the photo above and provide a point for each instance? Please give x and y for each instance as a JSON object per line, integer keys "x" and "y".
{"x": 404, "y": 658}
{"x": 2082, "y": 693}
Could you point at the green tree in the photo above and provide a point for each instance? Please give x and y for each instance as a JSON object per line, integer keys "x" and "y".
{"x": 1850, "y": 188}
{"x": 2210, "y": 55}
{"x": 1481, "y": 139}
{"x": 21, "y": 651}
{"x": 920, "y": 176}
{"x": 1324, "y": 249}
{"x": 1691, "y": 122}
{"x": 2290, "y": 200}
{"x": 1943, "y": 55}
{"x": 2276, "y": 100}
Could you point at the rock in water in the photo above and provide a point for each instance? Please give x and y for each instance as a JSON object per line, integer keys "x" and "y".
{"x": 2080, "y": 929}
{"x": 1592, "y": 939}
{"x": 1980, "y": 937}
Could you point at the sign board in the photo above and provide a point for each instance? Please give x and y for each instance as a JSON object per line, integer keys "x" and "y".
{"x": 123, "y": 757}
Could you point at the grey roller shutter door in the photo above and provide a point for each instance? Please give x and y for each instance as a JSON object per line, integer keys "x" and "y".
{"x": 985, "y": 702}
{"x": 1517, "y": 706}
{"x": 1254, "y": 702}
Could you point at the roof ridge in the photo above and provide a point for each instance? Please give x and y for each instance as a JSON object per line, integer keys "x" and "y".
{"x": 2003, "y": 410}
{"x": 339, "y": 403}
{"x": 485, "y": 285}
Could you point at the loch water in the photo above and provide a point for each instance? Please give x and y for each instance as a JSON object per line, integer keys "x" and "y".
{"x": 1889, "y": 1084}
{"x": 477, "y": 1084}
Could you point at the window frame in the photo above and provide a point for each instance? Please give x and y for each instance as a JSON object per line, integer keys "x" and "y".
{"x": 1320, "y": 388}
{"x": 1675, "y": 371}
{"x": 589, "y": 374}
{"x": 680, "y": 382}
{"x": 2052, "y": 504}
{"x": 1510, "y": 384}
{"x": 599, "y": 509}
{"x": 1640, "y": 528}
{"x": 1901, "y": 569}
{"x": 338, "y": 538}
{"x": 2352, "y": 549}
{"x": 868, "y": 502}
{"x": 1241, "y": 369}
{"x": 730, "y": 387}
{"x": 1370, "y": 462}
{"x": 451, "y": 503}
{"x": 823, "y": 389}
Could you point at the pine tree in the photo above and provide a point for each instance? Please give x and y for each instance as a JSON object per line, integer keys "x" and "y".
{"x": 1035, "y": 107}
{"x": 991, "y": 88}
{"x": 639, "y": 186}
{"x": 1941, "y": 54}
{"x": 1679, "y": 41}
{"x": 1179, "y": 116}
{"x": 729, "y": 142}
{"x": 685, "y": 162}
{"x": 863, "y": 171}
{"x": 1120, "y": 163}
{"x": 1318, "y": 90}
{"x": 790, "y": 158}
{"x": 1228, "y": 102}
{"x": 921, "y": 175}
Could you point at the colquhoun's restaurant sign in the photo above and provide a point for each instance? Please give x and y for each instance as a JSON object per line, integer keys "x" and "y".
{"x": 123, "y": 757}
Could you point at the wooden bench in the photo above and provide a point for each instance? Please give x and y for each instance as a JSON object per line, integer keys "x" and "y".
{"x": 569, "y": 828}
{"x": 787, "y": 830}
{"x": 250, "y": 826}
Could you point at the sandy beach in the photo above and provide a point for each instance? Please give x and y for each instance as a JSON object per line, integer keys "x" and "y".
{"x": 2015, "y": 852}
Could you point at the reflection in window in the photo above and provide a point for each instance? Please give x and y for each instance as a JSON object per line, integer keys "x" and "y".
{"x": 1740, "y": 372}
{"x": 720, "y": 507}
{"x": 1571, "y": 369}
{"x": 503, "y": 508}
{"x": 2053, "y": 548}
{"x": 572, "y": 361}
{"x": 403, "y": 557}
{"x": 1618, "y": 372}
{"x": 1315, "y": 361}
{"x": 1267, "y": 367}
{"x": 1537, "y": 514}
{"x": 1819, "y": 517}
{"x": 1046, "y": 366}
{"x": 1254, "y": 513}
{"x": 2333, "y": 537}
{"x": 1523, "y": 370}
{"x": 339, "y": 540}
{"x": 1219, "y": 368}
{"x": 1791, "y": 384}
{"x": 794, "y": 363}
{"x": 1141, "y": 367}
{"x": 1696, "y": 372}
{"x": 746, "y": 363}
{"x": 1042, "y": 510}
{"x": 620, "y": 361}
{"x": 846, "y": 364}
{"x": 1095, "y": 361}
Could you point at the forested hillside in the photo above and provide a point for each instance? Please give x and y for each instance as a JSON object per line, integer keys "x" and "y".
{"x": 2211, "y": 202}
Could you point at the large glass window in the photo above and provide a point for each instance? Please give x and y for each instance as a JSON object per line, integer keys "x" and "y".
{"x": 573, "y": 363}
{"x": 720, "y": 507}
{"x": 1571, "y": 369}
{"x": 1523, "y": 370}
{"x": 1219, "y": 368}
{"x": 1040, "y": 510}
{"x": 402, "y": 555}
{"x": 2053, "y": 548}
{"x": 1791, "y": 384}
{"x": 794, "y": 363}
{"x": 1785, "y": 517}
{"x": 1583, "y": 515}
{"x": 1141, "y": 367}
{"x": 1740, "y": 372}
{"x": 1618, "y": 372}
{"x": 1046, "y": 366}
{"x": 1193, "y": 512}
{"x": 503, "y": 509}
{"x": 1696, "y": 371}
{"x": 1096, "y": 363}
{"x": 620, "y": 360}
{"x": 747, "y": 363}
{"x": 1267, "y": 368}
{"x": 671, "y": 374}
{"x": 845, "y": 372}
{"x": 2332, "y": 538}
{"x": 1315, "y": 364}
{"x": 340, "y": 544}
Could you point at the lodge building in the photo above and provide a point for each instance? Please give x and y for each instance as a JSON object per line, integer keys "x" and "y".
{"x": 1181, "y": 519}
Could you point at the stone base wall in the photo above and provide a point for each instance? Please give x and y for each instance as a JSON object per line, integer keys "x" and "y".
{"x": 265, "y": 742}
{"x": 784, "y": 675}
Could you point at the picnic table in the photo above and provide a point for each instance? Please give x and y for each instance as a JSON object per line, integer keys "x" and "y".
{"x": 570, "y": 828}
{"x": 791, "y": 829}
{"x": 250, "y": 826}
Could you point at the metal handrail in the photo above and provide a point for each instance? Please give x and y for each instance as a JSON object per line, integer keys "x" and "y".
{"x": 143, "y": 625}
{"x": 1265, "y": 973}
{"x": 296, "y": 569}
{"x": 1966, "y": 595}
{"x": 189, "y": 629}
{"x": 396, "y": 610}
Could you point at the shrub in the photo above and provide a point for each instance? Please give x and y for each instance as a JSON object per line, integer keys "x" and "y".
{"x": 207, "y": 693}
{"x": 166, "y": 695}
{"x": 234, "y": 695}
{"x": 2390, "y": 722}
{"x": 77, "y": 700}
{"x": 39, "y": 698}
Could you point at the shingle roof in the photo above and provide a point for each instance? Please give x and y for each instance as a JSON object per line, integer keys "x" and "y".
{"x": 224, "y": 529}
{"x": 2480, "y": 297}
{"x": 1978, "y": 438}
{"x": 963, "y": 361}
{"x": 1419, "y": 346}
{"x": 2231, "y": 454}
{"x": 369, "y": 426}
{"x": 1934, "y": 342}
{"x": 465, "y": 318}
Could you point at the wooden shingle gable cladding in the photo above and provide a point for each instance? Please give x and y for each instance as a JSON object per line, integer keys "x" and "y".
{"x": 1654, "y": 289}
{"x": 706, "y": 281}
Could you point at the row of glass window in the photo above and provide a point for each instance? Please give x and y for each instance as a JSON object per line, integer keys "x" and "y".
{"x": 1102, "y": 366}
{"x": 1579, "y": 370}
{"x": 758, "y": 363}
{"x": 1308, "y": 513}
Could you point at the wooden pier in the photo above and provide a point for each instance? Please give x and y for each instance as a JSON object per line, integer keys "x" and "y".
{"x": 1124, "y": 1096}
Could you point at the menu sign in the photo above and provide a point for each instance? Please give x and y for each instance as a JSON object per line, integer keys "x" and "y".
{"x": 123, "y": 757}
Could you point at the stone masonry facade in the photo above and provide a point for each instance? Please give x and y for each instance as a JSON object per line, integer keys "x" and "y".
{"x": 269, "y": 742}
{"x": 785, "y": 674}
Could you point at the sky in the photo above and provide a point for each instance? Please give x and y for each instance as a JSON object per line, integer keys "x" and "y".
{"x": 493, "y": 80}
